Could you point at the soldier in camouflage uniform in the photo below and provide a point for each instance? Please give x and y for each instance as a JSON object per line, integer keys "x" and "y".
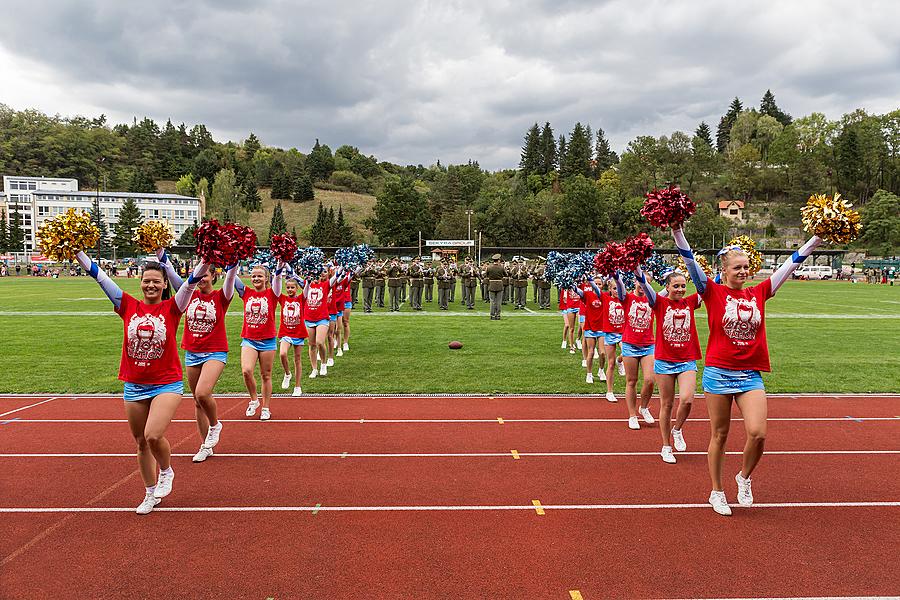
{"x": 416, "y": 282}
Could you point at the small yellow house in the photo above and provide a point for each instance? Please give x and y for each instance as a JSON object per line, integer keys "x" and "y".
{"x": 732, "y": 209}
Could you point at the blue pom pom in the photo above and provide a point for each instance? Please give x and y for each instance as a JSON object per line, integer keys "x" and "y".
{"x": 656, "y": 267}
{"x": 263, "y": 258}
{"x": 310, "y": 262}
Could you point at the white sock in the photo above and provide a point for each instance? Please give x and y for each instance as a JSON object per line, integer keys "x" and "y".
{"x": 151, "y": 489}
{"x": 168, "y": 471}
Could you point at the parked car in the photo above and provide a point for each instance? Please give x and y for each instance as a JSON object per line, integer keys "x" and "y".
{"x": 814, "y": 272}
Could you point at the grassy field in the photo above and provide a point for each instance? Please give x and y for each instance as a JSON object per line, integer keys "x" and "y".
{"x": 59, "y": 336}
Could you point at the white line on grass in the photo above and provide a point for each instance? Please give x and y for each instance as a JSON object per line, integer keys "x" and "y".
{"x": 344, "y": 455}
{"x": 301, "y": 420}
{"x": 9, "y": 412}
{"x": 445, "y": 508}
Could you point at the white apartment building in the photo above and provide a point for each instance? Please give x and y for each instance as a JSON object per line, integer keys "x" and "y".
{"x": 39, "y": 198}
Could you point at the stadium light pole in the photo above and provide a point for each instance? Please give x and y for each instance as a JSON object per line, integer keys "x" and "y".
{"x": 469, "y": 213}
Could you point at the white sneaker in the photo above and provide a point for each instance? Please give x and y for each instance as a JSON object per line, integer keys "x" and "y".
{"x": 745, "y": 493}
{"x": 339, "y": 353}
{"x": 146, "y": 507}
{"x": 202, "y": 454}
{"x": 589, "y": 378}
{"x": 620, "y": 368}
{"x": 323, "y": 370}
{"x": 297, "y": 391}
{"x": 265, "y": 415}
{"x": 719, "y": 503}
{"x": 314, "y": 374}
{"x": 563, "y": 345}
{"x": 611, "y": 397}
{"x": 286, "y": 381}
{"x": 578, "y": 343}
{"x": 667, "y": 455}
{"x": 572, "y": 350}
{"x": 583, "y": 363}
{"x": 596, "y": 354}
{"x": 601, "y": 373}
{"x": 678, "y": 438}
{"x": 251, "y": 408}
{"x": 346, "y": 346}
{"x": 633, "y": 423}
{"x": 648, "y": 418}
{"x": 212, "y": 436}
{"x": 164, "y": 484}
{"x": 330, "y": 363}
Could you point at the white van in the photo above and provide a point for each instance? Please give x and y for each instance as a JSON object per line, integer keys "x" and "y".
{"x": 814, "y": 272}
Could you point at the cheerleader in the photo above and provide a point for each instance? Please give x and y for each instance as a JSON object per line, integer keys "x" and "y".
{"x": 316, "y": 319}
{"x": 205, "y": 344}
{"x": 637, "y": 351}
{"x": 258, "y": 341}
{"x": 677, "y": 349}
{"x": 567, "y": 308}
{"x": 347, "y": 310}
{"x": 735, "y": 355}
{"x": 292, "y": 332}
{"x": 150, "y": 367}
{"x": 612, "y": 316}
{"x": 590, "y": 295}
{"x": 336, "y": 328}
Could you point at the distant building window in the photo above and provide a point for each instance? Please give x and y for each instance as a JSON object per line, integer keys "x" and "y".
{"x": 733, "y": 211}
{"x": 43, "y": 211}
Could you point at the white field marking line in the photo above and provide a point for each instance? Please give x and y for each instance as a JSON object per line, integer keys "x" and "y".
{"x": 455, "y": 454}
{"x": 835, "y": 304}
{"x": 446, "y": 421}
{"x": 9, "y": 412}
{"x": 529, "y": 310}
{"x": 445, "y": 508}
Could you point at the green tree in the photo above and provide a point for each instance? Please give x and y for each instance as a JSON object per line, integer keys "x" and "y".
{"x": 401, "y": 212}
{"x": 100, "y": 223}
{"x": 561, "y": 151}
{"x": 187, "y": 237}
{"x": 742, "y": 171}
{"x": 881, "y": 224}
{"x": 320, "y": 162}
{"x": 549, "y": 160}
{"x": 225, "y": 201}
{"x": 250, "y": 195}
{"x": 206, "y": 164}
{"x": 704, "y": 133}
{"x": 303, "y": 188}
{"x": 251, "y": 145}
{"x": 16, "y": 235}
{"x": 768, "y": 107}
{"x": 4, "y": 231}
{"x": 604, "y": 157}
{"x": 723, "y": 132}
{"x": 639, "y": 167}
{"x": 185, "y": 185}
{"x": 281, "y": 185}
{"x": 129, "y": 220}
{"x": 331, "y": 231}
{"x": 581, "y": 215}
{"x": 343, "y": 230}
{"x": 706, "y": 228}
{"x": 531, "y": 158}
{"x": 577, "y": 158}
{"x": 142, "y": 182}
{"x": 317, "y": 232}
{"x": 277, "y": 225}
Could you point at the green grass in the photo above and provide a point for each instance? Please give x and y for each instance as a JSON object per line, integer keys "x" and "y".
{"x": 834, "y": 347}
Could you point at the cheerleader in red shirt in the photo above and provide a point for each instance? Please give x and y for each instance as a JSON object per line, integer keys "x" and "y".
{"x": 336, "y": 327}
{"x": 347, "y": 310}
{"x": 205, "y": 344}
{"x": 316, "y": 319}
{"x": 258, "y": 342}
{"x": 612, "y": 319}
{"x": 677, "y": 349}
{"x": 590, "y": 295}
{"x": 735, "y": 355}
{"x": 568, "y": 307}
{"x": 637, "y": 351}
{"x": 292, "y": 332}
{"x": 150, "y": 367}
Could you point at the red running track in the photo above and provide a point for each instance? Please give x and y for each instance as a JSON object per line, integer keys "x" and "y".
{"x": 603, "y": 552}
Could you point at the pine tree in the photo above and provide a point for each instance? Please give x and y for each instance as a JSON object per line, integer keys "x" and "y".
{"x": 4, "y": 231}
{"x": 16, "y": 235}
{"x": 303, "y": 188}
{"x": 767, "y": 106}
{"x": 531, "y": 152}
{"x": 331, "y": 233}
{"x": 548, "y": 150}
{"x": 251, "y": 145}
{"x": 604, "y": 157}
{"x": 704, "y": 133}
{"x": 142, "y": 182}
{"x": 723, "y": 132}
{"x": 281, "y": 185}
{"x": 277, "y": 224}
{"x": 317, "y": 231}
{"x": 129, "y": 220}
{"x": 187, "y": 238}
{"x": 250, "y": 195}
{"x": 100, "y": 223}
{"x": 561, "y": 155}
{"x": 320, "y": 162}
{"x": 344, "y": 231}
{"x": 577, "y": 158}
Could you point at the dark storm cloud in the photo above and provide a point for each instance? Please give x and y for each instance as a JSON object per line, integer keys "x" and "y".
{"x": 416, "y": 81}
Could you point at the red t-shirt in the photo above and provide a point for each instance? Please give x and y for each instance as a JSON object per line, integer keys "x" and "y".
{"x": 593, "y": 309}
{"x": 676, "y": 329}
{"x": 292, "y": 309}
{"x": 336, "y": 302}
{"x": 259, "y": 314}
{"x": 612, "y": 312}
{"x": 348, "y": 296}
{"x": 568, "y": 299}
{"x": 638, "y": 328}
{"x": 737, "y": 326}
{"x": 149, "y": 346}
{"x": 204, "y": 323}
{"x": 317, "y": 301}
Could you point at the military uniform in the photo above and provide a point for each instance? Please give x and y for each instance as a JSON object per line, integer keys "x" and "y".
{"x": 494, "y": 274}
{"x": 453, "y": 271}
{"x": 428, "y": 282}
{"x": 543, "y": 287}
{"x": 368, "y": 285}
{"x": 354, "y": 291}
{"x": 470, "y": 283}
{"x": 507, "y": 285}
{"x": 393, "y": 273}
{"x": 443, "y": 276}
{"x": 520, "y": 283}
{"x": 534, "y": 283}
{"x": 379, "y": 285}
{"x": 415, "y": 285}
{"x": 404, "y": 281}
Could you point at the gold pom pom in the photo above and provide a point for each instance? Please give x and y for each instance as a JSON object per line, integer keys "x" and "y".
{"x": 748, "y": 245}
{"x": 701, "y": 262}
{"x": 153, "y": 235}
{"x": 63, "y": 236}
{"x": 831, "y": 219}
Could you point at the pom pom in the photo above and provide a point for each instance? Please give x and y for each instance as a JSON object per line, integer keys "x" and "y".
{"x": 556, "y": 262}
{"x": 263, "y": 258}
{"x": 244, "y": 240}
{"x": 656, "y": 267}
{"x": 153, "y": 235}
{"x": 566, "y": 270}
{"x": 65, "y": 235}
{"x": 224, "y": 245}
{"x": 628, "y": 279}
{"x": 748, "y": 245}
{"x": 831, "y": 219}
{"x": 635, "y": 250}
{"x": 283, "y": 247}
{"x": 310, "y": 262}
{"x": 701, "y": 262}
{"x": 667, "y": 207}
{"x": 608, "y": 260}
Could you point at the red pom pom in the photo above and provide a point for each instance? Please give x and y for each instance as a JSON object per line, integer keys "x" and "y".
{"x": 243, "y": 241}
{"x": 667, "y": 207}
{"x": 635, "y": 251}
{"x": 609, "y": 259}
{"x": 283, "y": 247}
{"x": 224, "y": 245}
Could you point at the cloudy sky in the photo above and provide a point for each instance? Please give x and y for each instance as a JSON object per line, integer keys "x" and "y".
{"x": 416, "y": 81}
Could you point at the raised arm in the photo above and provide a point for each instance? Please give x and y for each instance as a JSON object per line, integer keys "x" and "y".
{"x": 278, "y": 278}
{"x": 230, "y": 279}
{"x": 578, "y": 291}
{"x": 595, "y": 288}
{"x": 183, "y": 295}
{"x": 620, "y": 287}
{"x": 109, "y": 287}
{"x": 648, "y": 289}
{"x": 783, "y": 273}
{"x": 171, "y": 275}
{"x": 694, "y": 270}
{"x": 239, "y": 286}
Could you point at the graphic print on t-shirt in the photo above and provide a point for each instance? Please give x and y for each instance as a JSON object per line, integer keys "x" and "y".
{"x": 616, "y": 314}
{"x": 146, "y": 337}
{"x": 741, "y": 319}
{"x": 639, "y": 315}
{"x": 201, "y": 316}
{"x": 677, "y": 325}
{"x": 291, "y": 313}
{"x": 314, "y": 297}
{"x": 257, "y": 311}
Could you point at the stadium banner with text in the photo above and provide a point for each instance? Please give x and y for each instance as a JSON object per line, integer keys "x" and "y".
{"x": 449, "y": 243}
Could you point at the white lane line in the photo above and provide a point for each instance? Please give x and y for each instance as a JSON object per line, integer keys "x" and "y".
{"x": 447, "y": 454}
{"x": 9, "y": 412}
{"x": 445, "y": 508}
{"x": 301, "y": 420}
